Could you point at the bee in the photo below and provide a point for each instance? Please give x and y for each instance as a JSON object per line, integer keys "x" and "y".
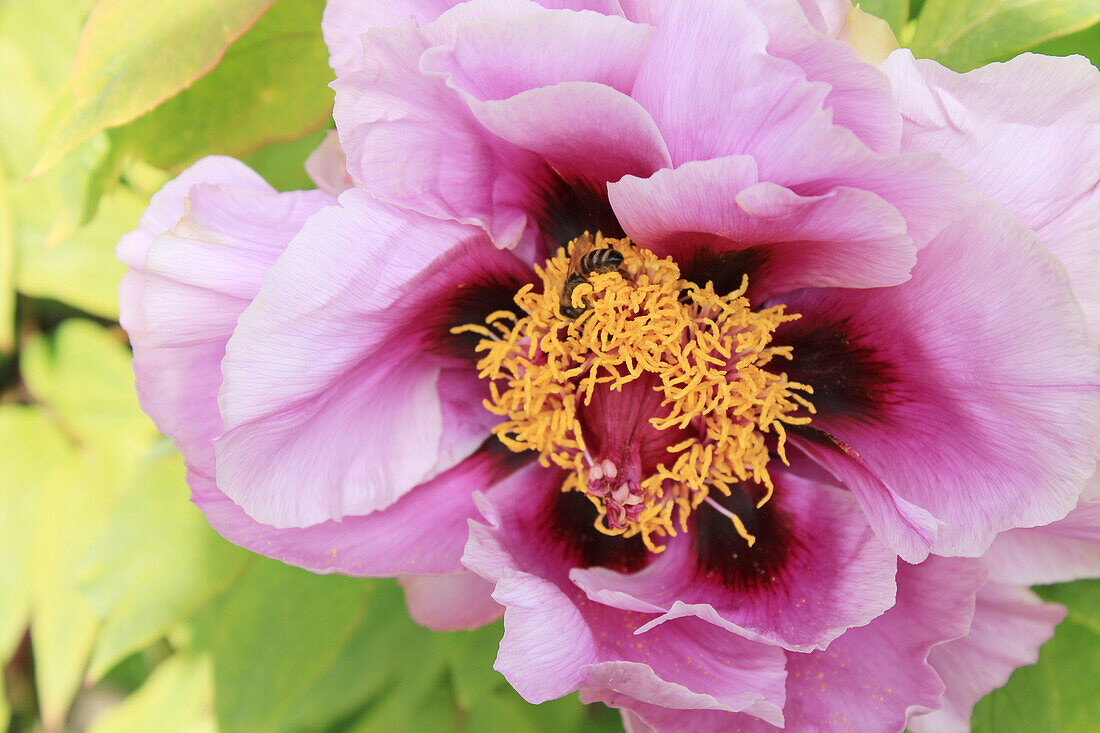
{"x": 586, "y": 260}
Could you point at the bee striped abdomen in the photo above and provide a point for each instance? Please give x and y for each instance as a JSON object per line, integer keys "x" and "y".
{"x": 586, "y": 261}
{"x": 600, "y": 260}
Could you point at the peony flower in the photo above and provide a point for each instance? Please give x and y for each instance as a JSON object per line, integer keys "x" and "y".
{"x": 732, "y": 369}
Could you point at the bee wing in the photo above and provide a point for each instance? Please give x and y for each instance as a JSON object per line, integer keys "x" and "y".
{"x": 581, "y": 247}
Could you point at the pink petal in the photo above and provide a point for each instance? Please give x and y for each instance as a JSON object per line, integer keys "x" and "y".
{"x": 1027, "y": 134}
{"x": 971, "y": 391}
{"x": 450, "y": 602}
{"x": 166, "y": 207}
{"x": 873, "y": 677}
{"x": 423, "y": 532}
{"x": 906, "y": 528}
{"x": 1010, "y": 624}
{"x": 714, "y": 91}
{"x": 500, "y": 57}
{"x": 1072, "y": 236}
{"x": 860, "y": 96}
{"x": 330, "y": 406}
{"x": 833, "y": 573}
{"x": 554, "y": 644}
{"x": 557, "y": 641}
{"x": 844, "y": 238}
{"x": 584, "y": 131}
{"x": 410, "y": 140}
{"x": 672, "y": 720}
{"x": 196, "y": 261}
{"x": 928, "y": 192}
{"x": 345, "y": 21}
{"x": 832, "y": 13}
{"x": 875, "y": 674}
{"x": 327, "y": 167}
{"x": 1059, "y": 552}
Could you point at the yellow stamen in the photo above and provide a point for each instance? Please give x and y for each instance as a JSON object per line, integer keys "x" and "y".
{"x": 704, "y": 352}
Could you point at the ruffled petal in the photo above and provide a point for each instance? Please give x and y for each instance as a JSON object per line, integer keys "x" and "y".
{"x": 860, "y": 96}
{"x": 407, "y": 137}
{"x": 331, "y": 403}
{"x": 1027, "y": 134}
{"x": 970, "y": 391}
{"x": 556, "y": 83}
{"x": 196, "y": 261}
{"x": 423, "y": 532}
{"x": 328, "y": 168}
{"x": 906, "y": 528}
{"x": 557, "y": 641}
{"x": 713, "y": 95}
{"x": 344, "y": 21}
{"x": 500, "y": 57}
{"x": 411, "y": 140}
{"x": 1059, "y": 552}
{"x": 783, "y": 241}
{"x": 450, "y": 602}
{"x": 815, "y": 570}
{"x": 714, "y": 91}
{"x": 167, "y": 207}
{"x": 872, "y": 678}
{"x": 586, "y": 132}
{"x": 1010, "y": 624}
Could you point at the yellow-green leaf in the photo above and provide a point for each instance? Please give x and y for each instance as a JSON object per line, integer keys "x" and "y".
{"x": 1058, "y": 693}
{"x": 29, "y": 448}
{"x": 7, "y": 268}
{"x": 277, "y": 631}
{"x": 272, "y": 85}
{"x": 37, "y": 43}
{"x": 894, "y": 12}
{"x": 133, "y": 55}
{"x": 82, "y": 375}
{"x": 81, "y": 269}
{"x": 965, "y": 34}
{"x": 155, "y": 562}
{"x": 178, "y": 696}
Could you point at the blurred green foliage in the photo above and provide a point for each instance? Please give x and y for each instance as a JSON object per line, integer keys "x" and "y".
{"x": 964, "y": 34}
{"x": 120, "y": 609}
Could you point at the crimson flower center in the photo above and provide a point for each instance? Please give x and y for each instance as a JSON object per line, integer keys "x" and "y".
{"x": 649, "y": 390}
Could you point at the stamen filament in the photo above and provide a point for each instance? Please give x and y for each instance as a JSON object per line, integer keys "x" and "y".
{"x": 704, "y": 353}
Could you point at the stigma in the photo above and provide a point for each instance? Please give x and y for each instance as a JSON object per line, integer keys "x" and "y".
{"x": 649, "y": 390}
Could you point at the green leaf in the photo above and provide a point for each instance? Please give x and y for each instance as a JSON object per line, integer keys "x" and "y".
{"x": 388, "y": 656}
{"x": 276, "y": 632}
{"x": 5, "y": 708}
{"x": 82, "y": 374}
{"x": 75, "y": 501}
{"x": 156, "y": 562}
{"x": 7, "y": 268}
{"x": 894, "y": 12}
{"x": 178, "y": 696}
{"x": 37, "y": 43}
{"x": 965, "y": 34}
{"x": 470, "y": 656}
{"x": 81, "y": 377}
{"x": 29, "y": 447}
{"x": 1086, "y": 43}
{"x": 397, "y": 714}
{"x": 51, "y": 499}
{"x": 133, "y": 55}
{"x": 82, "y": 269}
{"x": 282, "y": 164}
{"x": 271, "y": 86}
{"x": 1059, "y": 692}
